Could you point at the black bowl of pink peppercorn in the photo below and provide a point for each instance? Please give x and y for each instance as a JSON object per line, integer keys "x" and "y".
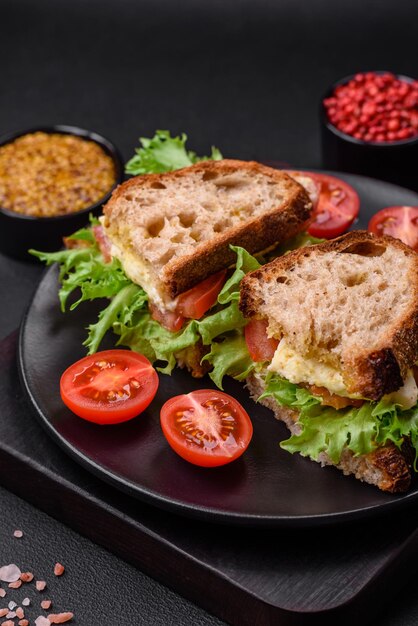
{"x": 369, "y": 126}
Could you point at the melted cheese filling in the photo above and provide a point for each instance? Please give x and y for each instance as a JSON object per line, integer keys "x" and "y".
{"x": 298, "y": 369}
{"x": 140, "y": 274}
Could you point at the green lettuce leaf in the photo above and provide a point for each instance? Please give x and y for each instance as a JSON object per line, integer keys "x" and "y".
{"x": 325, "y": 429}
{"x": 245, "y": 263}
{"x": 164, "y": 153}
{"x": 298, "y": 241}
{"x": 121, "y": 309}
{"x": 220, "y": 324}
{"x": 230, "y": 357}
{"x": 85, "y": 269}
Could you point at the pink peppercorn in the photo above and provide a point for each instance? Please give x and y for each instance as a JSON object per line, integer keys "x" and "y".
{"x": 375, "y": 107}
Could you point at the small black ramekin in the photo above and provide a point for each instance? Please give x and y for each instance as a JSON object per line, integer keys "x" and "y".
{"x": 394, "y": 161}
{"x": 20, "y": 232}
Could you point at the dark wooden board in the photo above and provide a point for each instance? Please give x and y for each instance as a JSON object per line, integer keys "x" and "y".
{"x": 245, "y": 576}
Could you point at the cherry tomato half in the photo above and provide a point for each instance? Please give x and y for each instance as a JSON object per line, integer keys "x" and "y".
{"x": 196, "y": 301}
{"x": 109, "y": 387}
{"x": 206, "y": 427}
{"x": 337, "y": 207}
{"x": 260, "y": 346}
{"x": 400, "y": 222}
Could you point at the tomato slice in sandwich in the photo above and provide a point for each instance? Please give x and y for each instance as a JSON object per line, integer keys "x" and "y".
{"x": 400, "y": 222}
{"x": 206, "y": 427}
{"x": 195, "y": 302}
{"x": 192, "y": 304}
{"x": 260, "y": 346}
{"x": 109, "y": 387}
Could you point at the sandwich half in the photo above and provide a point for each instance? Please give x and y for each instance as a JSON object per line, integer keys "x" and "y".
{"x": 169, "y": 253}
{"x": 341, "y": 333}
{"x": 171, "y": 231}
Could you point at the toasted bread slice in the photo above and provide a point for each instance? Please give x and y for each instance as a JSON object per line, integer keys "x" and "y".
{"x": 173, "y": 230}
{"x": 351, "y": 304}
{"x": 387, "y": 467}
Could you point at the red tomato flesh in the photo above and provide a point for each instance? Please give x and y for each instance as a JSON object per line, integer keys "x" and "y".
{"x": 260, "y": 346}
{"x": 103, "y": 242}
{"x": 400, "y": 222}
{"x": 196, "y": 301}
{"x": 171, "y": 320}
{"x": 109, "y": 387}
{"x": 206, "y": 427}
{"x": 337, "y": 207}
{"x": 192, "y": 304}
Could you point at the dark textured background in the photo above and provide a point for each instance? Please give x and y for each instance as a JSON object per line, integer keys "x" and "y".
{"x": 246, "y": 76}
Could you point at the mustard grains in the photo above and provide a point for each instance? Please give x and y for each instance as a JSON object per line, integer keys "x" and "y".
{"x": 50, "y": 174}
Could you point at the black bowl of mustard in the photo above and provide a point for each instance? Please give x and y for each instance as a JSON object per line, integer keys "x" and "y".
{"x": 55, "y": 210}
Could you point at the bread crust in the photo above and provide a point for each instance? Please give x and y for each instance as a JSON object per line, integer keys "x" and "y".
{"x": 373, "y": 374}
{"x": 255, "y": 235}
{"x": 387, "y": 467}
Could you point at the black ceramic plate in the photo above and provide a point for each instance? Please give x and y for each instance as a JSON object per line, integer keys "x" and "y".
{"x": 265, "y": 486}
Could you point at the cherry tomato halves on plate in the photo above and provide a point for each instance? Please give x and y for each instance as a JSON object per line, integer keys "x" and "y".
{"x": 109, "y": 387}
{"x": 337, "y": 207}
{"x": 400, "y": 222}
{"x": 206, "y": 427}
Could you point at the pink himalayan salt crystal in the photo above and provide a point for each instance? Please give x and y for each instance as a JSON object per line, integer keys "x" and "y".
{"x": 2, "y": 592}
{"x": 59, "y": 569}
{"x": 23, "y": 622}
{"x": 60, "y": 618}
{"x": 10, "y": 573}
{"x": 25, "y": 602}
{"x": 18, "y": 534}
{"x": 8, "y": 623}
{"x": 46, "y": 604}
{"x": 40, "y": 585}
{"x": 42, "y": 621}
{"x": 20, "y": 613}
{"x": 26, "y": 577}
{"x": 15, "y": 585}
{"x": 3, "y": 612}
